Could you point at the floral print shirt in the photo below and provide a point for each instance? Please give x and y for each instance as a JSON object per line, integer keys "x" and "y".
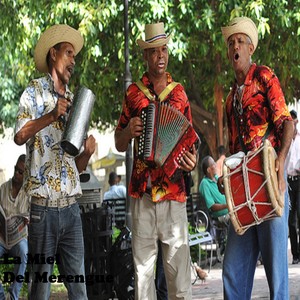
{"x": 161, "y": 187}
{"x": 50, "y": 172}
{"x": 262, "y": 110}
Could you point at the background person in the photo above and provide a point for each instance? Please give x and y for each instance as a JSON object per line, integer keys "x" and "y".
{"x": 208, "y": 188}
{"x": 215, "y": 201}
{"x": 293, "y": 171}
{"x": 14, "y": 201}
{"x": 115, "y": 191}
{"x": 158, "y": 204}
{"x": 52, "y": 177}
{"x": 255, "y": 110}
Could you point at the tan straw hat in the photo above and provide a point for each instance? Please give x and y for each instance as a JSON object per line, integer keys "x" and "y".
{"x": 241, "y": 25}
{"x": 154, "y": 36}
{"x": 52, "y": 36}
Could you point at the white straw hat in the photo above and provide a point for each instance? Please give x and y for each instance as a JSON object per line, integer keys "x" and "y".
{"x": 52, "y": 36}
{"x": 241, "y": 25}
{"x": 154, "y": 36}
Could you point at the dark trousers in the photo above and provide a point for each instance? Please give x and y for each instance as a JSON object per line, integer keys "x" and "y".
{"x": 160, "y": 279}
{"x": 294, "y": 216}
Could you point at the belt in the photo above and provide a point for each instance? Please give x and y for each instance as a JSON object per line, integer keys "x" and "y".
{"x": 293, "y": 178}
{"x": 59, "y": 203}
{"x": 148, "y": 191}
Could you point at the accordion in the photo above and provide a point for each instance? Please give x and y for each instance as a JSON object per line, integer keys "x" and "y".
{"x": 167, "y": 135}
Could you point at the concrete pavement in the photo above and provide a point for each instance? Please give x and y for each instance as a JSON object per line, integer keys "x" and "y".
{"x": 212, "y": 288}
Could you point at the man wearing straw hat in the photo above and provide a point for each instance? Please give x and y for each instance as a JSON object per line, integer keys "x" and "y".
{"x": 52, "y": 175}
{"x": 158, "y": 204}
{"x": 256, "y": 110}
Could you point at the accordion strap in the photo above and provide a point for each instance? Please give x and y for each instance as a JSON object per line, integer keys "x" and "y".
{"x": 161, "y": 96}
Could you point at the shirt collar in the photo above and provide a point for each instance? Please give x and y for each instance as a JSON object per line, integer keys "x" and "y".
{"x": 68, "y": 94}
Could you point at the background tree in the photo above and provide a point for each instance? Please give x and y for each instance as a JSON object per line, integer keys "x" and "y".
{"x": 198, "y": 52}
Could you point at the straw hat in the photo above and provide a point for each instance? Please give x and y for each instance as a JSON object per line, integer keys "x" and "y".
{"x": 52, "y": 36}
{"x": 154, "y": 36}
{"x": 241, "y": 25}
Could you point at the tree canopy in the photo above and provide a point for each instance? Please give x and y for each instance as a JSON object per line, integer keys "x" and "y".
{"x": 198, "y": 52}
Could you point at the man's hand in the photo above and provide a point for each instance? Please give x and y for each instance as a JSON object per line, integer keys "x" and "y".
{"x": 89, "y": 145}
{"x": 123, "y": 137}
{"x": 189, "y": 160}
{"x": 135, "y": 127}
{"x": 62, "y": 107}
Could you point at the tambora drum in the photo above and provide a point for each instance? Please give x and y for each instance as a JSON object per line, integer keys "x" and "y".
{"x": 251, "y": 187}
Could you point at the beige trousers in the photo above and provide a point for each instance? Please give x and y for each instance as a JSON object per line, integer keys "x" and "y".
{"x": 165, "y": 221}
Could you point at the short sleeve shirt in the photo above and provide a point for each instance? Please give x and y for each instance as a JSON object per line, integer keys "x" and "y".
{"x": 115, "y": 192}
{"x": 161, "y": 187}
{"x": 263, "y": 110}
{"x": 210, "y": 193}
{"x": 13, "y": 206}
{"x": 50, "y": 172}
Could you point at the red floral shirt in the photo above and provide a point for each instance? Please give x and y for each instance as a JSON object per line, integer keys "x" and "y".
{"x": 161, "y": 187}
{"x": 263, "y": 107}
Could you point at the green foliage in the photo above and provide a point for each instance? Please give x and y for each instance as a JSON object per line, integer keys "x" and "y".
{"x": 116, "y": 233}
{"x": 198, "y": 52}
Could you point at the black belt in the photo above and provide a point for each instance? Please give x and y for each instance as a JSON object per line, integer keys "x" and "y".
{"x": 293, "y": 178}
{"x": 148, "y": 191}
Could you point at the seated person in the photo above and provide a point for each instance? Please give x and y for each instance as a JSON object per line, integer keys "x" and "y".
{"x": 115, "y": 191}
{"x": 14, "y": 201}
{"x": 215, "y": 201}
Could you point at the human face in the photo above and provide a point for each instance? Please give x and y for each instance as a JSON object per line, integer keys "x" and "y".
{"x": 63, "y": 62}
{"x": 239, "y": 51}
{"x": 157, "y": 60}
{"x": 19, "y": 172}
{"x": 212, "y": 169}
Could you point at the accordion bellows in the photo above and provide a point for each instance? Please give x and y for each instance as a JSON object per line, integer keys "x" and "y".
{"x": 167, "y": 135}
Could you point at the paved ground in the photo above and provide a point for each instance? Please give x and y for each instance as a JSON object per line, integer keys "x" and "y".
{"x": 211, "y": 289}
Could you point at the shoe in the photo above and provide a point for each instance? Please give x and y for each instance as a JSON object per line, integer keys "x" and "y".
{"x": 295, "y": 261}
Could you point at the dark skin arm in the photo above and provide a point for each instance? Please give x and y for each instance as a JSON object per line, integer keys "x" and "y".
{"x": 288, "y": 131}
{"x": 34, "y": 126}
{"x": 218, "y": 207}
{"x": 83, "y": 158}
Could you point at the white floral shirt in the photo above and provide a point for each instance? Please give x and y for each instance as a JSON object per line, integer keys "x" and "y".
{"x": 50, "y": 172}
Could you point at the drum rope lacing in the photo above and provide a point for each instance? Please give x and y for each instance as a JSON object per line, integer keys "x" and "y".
{"x": 249, "y": 199}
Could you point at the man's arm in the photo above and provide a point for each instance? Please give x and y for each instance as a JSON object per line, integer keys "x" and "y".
{"x": 83, "y": 158}
{"x": 288, "y": 129}
{"x": 124, "y": 136}
{"x": 218, "y": 207}
{"x": 34, "y": 126}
